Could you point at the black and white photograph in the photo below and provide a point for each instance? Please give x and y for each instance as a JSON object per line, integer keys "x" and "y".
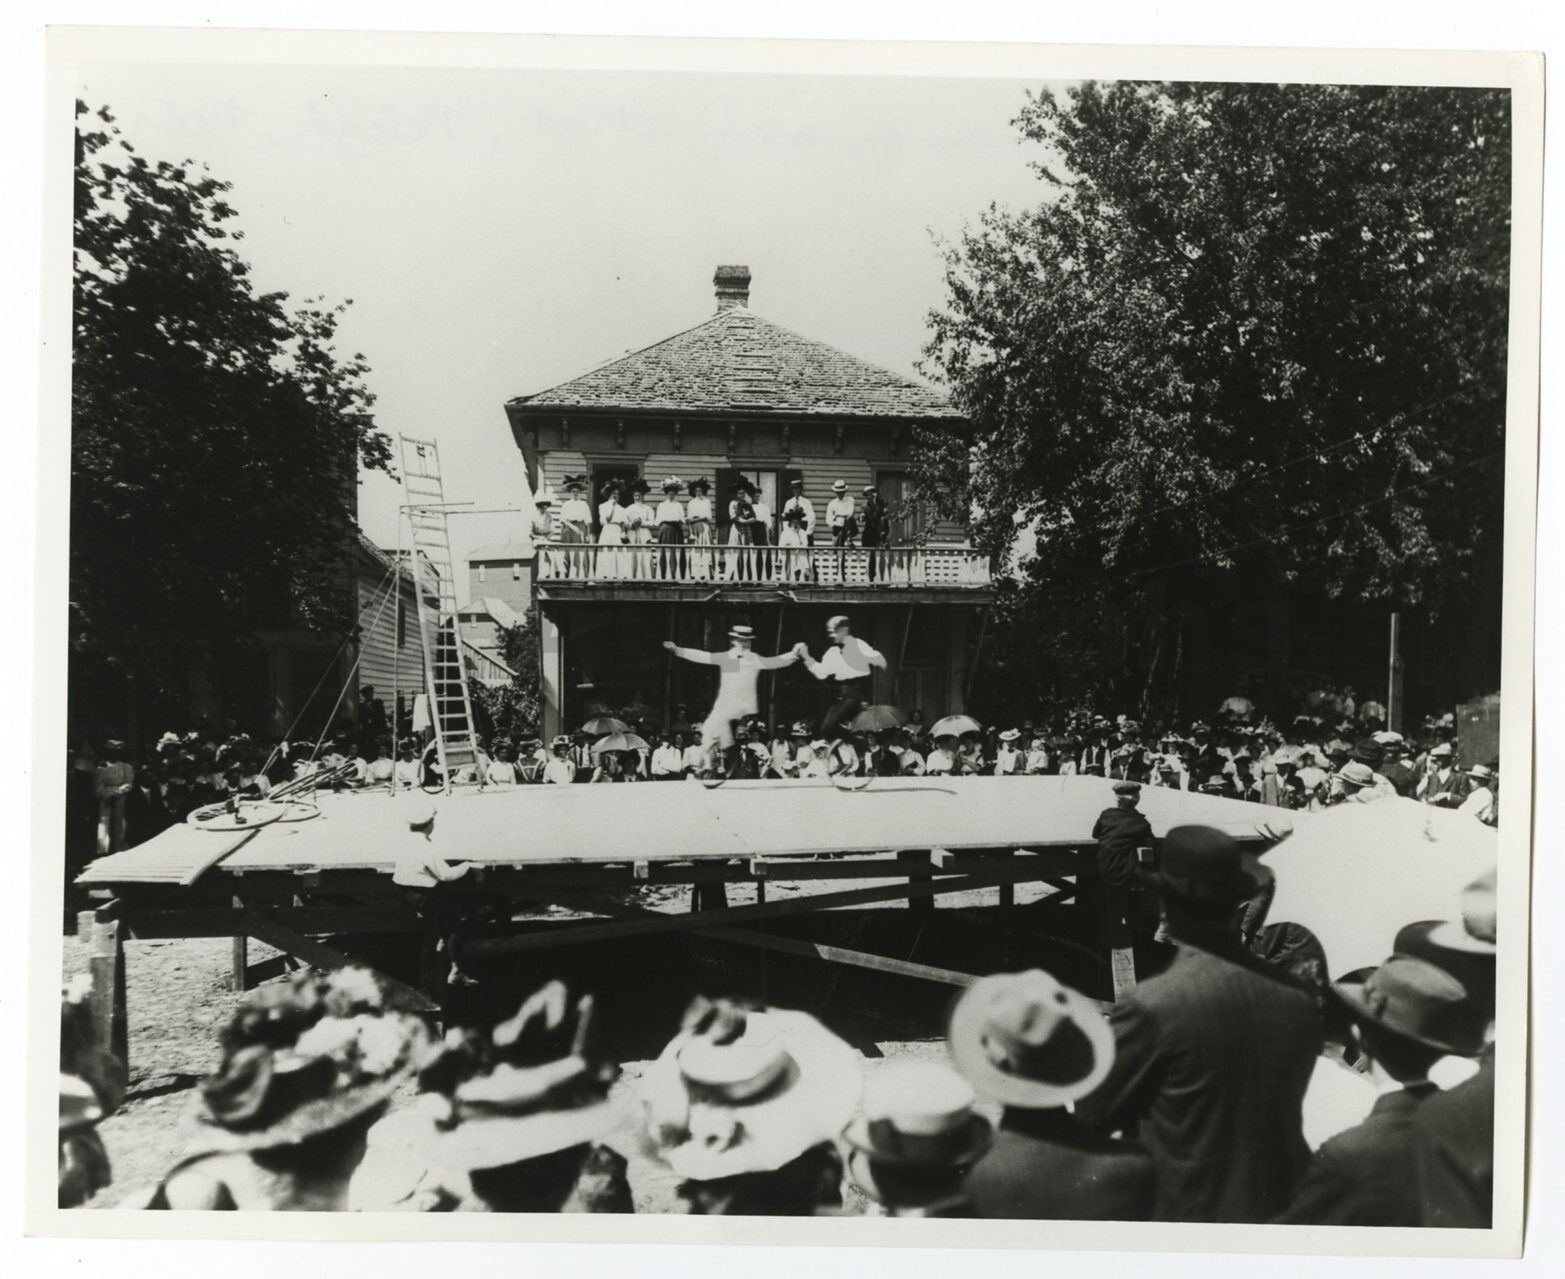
{"x": 1050, "y": 553}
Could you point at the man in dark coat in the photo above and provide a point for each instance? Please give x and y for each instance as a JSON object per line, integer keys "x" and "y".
{"x": 1408, "y": 1014}
{"x": 1107, "y": 886}
{"x": 1213, "y": 1055}
{"x": 1028, "y": 1042}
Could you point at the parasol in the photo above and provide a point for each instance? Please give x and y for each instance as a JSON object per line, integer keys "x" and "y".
{"x": 877, "y": 719}
{"x": 1356, "y": 873}
{"x": 955, "y": 726}
{"x": 619, "y": 742}
{"x": 598, "y": 725}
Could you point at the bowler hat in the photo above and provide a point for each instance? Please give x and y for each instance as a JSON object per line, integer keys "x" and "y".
{"x": 1415, "y": 1000}
{"x": 1204, "y": 864}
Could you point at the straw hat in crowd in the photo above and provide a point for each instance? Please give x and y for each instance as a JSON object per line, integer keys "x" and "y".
{"x": 744, "y": 1090}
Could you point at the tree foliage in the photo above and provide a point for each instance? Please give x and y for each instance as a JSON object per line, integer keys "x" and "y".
{"x": 216, "y": 432}
{"x": 515, "y": 711}
{"x": 1251, "y": 333}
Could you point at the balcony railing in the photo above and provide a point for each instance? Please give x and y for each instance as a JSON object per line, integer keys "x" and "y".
{"x": 856, "y": 566}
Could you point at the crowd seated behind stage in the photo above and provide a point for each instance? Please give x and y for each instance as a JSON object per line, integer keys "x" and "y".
{"x": 1223, "y": 1088}
{"x": 118, "y": 797}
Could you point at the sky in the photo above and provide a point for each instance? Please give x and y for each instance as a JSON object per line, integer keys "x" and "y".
{"x": 500, "y": 231}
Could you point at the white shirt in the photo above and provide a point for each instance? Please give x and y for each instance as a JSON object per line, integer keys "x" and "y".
{"x": 1007, "y": 761}
{"x": 740, "y": 669}
{"x": 700, "y": 508}
{"x": 638, "y": 515}
{"x": 559, "y": 771}
{"x": 1037, "y": 761}
{"x": 501, "y": 772}
{"x": 420, "y": 866}
{"x": 850, "y": 660}
{"x": 694, "y": 757}
{"x": 800, "y": 504}
{"x": 667, "y": 760}
{"x": 671, "y": 511}
{"x": 575, "y": 510}
{"x": 839, "y": 510}
{"x": 408, "y": 772}
{"x": 611, "y": 512}
{"x": 1478, "y": 803}
{"x": 940, "y": 761}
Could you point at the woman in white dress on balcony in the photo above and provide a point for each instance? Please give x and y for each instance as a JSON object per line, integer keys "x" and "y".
{"x": 798, "y": 522}
{"x": 611, "y": 525}
{"x": 670, "y": 520}
{"x": 640, "y": 519}
{"x": 698, "y": 529}
{"x": 576, "y": 527}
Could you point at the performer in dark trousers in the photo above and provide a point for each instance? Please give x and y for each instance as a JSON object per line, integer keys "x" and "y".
{"x": 849, "y": 664}
{"x": 1107, "y": 886}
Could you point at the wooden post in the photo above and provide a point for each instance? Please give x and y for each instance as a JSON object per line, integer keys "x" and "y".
{"x": 896, "y": 676}
{"x": 919, "y": 869}
{"x": 106, "y": 962}
{"x": 434, "y": 964}
{"x": 1008, "y": 891}
{"x": 239, "y": 976}
{"x": 1394, "y": 713}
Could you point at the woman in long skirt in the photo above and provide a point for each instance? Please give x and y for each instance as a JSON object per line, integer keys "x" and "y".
{"x": 741, "y": 532}
{"x": 639, "y": 522}
{"x": 670, "y": 518}
{"x": 611, "y": 523}
{"x": 698, "y": 529}
{"x": 576, "y": 527}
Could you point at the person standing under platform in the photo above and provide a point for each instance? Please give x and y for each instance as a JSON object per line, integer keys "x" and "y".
{"x": 740, "y": 667}
{"x": 848, "y": 664}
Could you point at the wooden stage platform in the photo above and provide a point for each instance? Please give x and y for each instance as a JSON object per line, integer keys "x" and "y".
{"x": 585, "y": 850}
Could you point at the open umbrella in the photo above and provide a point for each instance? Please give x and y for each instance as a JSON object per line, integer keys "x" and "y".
{"x": 618, "y": 742}
{"x": 877, "y": 719}
{"x": 955, "y": 726}
{"x": 1356, "y": 873}
{"x": 598, "y": 725}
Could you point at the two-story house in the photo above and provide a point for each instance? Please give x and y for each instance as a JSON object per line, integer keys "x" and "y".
{"x": 739, "y": 398}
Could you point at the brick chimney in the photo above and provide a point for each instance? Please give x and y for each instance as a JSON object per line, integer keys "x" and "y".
{"x": 733, "y": 287}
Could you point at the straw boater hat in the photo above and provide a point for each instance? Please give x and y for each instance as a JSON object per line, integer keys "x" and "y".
{"x": 796, "y": 482}
{"x": 1010, "y": 734}
{"x": 1482, "y": 772}
{"x": 1356, "y": 773}
{"x": 1023, "y": 1039}
{"x": 839, "y": 486}
{"x": 917, "y": 1135}
{"x": 528, "y": 1088}
{"x": 742, "y": 632}
{"x": 1415, "y": 1000}
{"x": 1443, "y": 750}
{"x": 1203, "y": 864}
{"x": 302, "y": 1059}
{"x": 746, "y": 1090}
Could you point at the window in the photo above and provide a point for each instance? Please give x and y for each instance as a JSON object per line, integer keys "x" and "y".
{"x": 482, "y": 572}
{"x": 773, "y": 486}
{"x": 516, "y": 571}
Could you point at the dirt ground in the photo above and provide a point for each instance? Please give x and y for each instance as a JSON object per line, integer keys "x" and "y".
{"x": 180, "y": 997}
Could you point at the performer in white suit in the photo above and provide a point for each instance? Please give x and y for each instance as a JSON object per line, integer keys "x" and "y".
{"x": 740, "y": 667}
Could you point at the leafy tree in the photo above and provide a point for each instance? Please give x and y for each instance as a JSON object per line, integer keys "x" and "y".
{"x": 215, "y": 435}
{"x": 1252, "y": 340}
{"x": 515, "y": 710}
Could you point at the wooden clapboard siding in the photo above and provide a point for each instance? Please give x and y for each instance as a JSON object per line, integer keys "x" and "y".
{"x": 382, "y": 663}
{"x": 657, "y": 467}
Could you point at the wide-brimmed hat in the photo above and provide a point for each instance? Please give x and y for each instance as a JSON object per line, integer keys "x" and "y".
{"x": 1476, "y": 932}
{"x": 529, "y": 1088}
{"x": 1010, "y": 734}
{"x": 574, "y": 483}
{"x": 919, "y": 1115}
{"x": 559, "y": 740}
{"x": 546, "y": 498}
{"x": 1482, "y": 772}
{"x": 1204, "y": 864}
{"x": 747, "y": 1090}
{"x": 1368, "y": 751}
{"x": 702, "y": 483}
{"x": 1024, "y": 1039}
{"x": 1415, "y": 1000}
{"x": 1386, "y": 737}
{"x": 796, "y": 481}
{"x": 673, "y": 482}
{"x": 839, "y": 486}
{"x": 1355, "y": 773}
{"x": 1444, "y": 750}
{"x": 1216, "y": 782}
{"x": 869, "y": 489}
{"x": 303, "y": 1059}
{"x": 741, "y": 632}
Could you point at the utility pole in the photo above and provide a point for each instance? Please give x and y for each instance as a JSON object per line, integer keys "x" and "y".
{"x": 1394, "y": 713}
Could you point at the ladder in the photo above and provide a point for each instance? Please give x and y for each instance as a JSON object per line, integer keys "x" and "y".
{"x": 445, "y": 673}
